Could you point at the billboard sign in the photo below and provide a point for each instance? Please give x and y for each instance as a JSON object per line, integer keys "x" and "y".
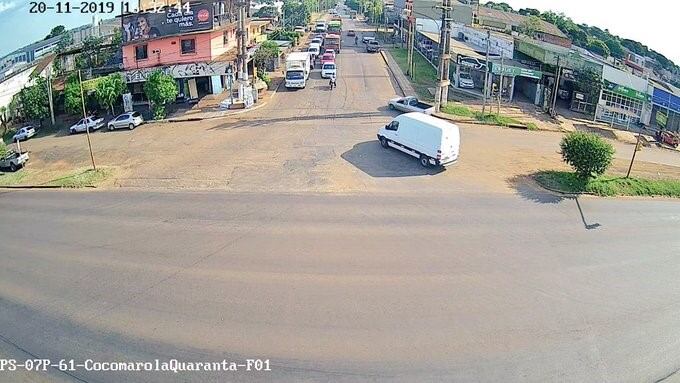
{"x": 167, "y": 22}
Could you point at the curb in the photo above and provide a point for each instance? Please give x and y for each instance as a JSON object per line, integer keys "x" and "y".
{"x": 43, "y": 187}
{"x": 396, "y": 79}
{"x": 568, "y": 194}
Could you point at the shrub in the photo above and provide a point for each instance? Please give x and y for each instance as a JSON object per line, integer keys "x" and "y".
{"x": 587, "y": 153}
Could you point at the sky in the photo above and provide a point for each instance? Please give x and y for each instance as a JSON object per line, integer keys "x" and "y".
{"x": 653, "y": 23}
{"x": 19, "y": 27}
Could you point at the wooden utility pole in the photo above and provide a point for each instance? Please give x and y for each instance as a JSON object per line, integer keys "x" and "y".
{"x": 486, "y": 74}
{"x": 441, "y": 97}
{"x": 87, "y": 127}
{"x": 500, "y": 84}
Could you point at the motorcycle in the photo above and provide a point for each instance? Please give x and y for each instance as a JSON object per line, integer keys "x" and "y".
{"x": 332, "y": 84}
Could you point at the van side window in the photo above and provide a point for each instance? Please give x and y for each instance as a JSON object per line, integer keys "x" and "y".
{"x": 394, "y": 125}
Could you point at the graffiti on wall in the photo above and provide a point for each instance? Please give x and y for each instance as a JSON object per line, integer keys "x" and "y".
{"x": 179, "y": 71}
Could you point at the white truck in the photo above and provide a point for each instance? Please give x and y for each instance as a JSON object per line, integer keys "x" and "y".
{"x": 297, "y": 69}
{"x": 13, "y": 160}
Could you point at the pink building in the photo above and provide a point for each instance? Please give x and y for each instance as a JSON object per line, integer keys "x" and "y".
{"x": 195, "y": 45}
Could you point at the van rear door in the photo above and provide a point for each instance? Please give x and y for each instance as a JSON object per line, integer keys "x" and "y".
{"x": 450, "y": 144}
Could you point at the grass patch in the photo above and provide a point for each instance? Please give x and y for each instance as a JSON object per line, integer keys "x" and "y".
{"x": 82, "y": 178}
{"x": 425, "y": 73}
{"x": 608, "y": 186}
{"x": 12, "y": 178}
{"x": 491, "y": 119}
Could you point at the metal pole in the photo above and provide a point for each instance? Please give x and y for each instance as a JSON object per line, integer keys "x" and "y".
{"x": 87, "y": 128}
{"x": 500, "y": 84}
{"x": 637, "y": 145}
{"x": 486, "y": 74}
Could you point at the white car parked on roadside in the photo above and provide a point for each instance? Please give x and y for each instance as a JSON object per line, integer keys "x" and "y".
{"x": 24, "y": 133}
{"x": 84, "y": 124}
{"x": 128, "y": 120}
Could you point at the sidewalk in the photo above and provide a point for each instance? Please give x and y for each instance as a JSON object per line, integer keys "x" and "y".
{"x": 208, "y": 108}
{"x": 399, "y": 76}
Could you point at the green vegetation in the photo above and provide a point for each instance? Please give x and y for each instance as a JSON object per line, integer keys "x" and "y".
{"x": 160, "y": 88}
{"x": 587, "y": 153}
{"x": 12, "y": 178}
{"x": 33, "y": 100}
{"x": 267, "y": 51}
{"x": 82, "y": 178}
{"x": 490, "y": 118}
{"x": 371, "y": 8}
{"x": 425, "y": 73}
{"x": 266, "y": 12}
{"x": 72, "y": 102}
{"x": 590, "y": 37}
{"x": 569, "y": 182}
{"x": 109, "y": 89}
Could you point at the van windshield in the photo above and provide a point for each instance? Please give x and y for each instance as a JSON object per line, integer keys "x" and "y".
{"x": 295, "y": 75}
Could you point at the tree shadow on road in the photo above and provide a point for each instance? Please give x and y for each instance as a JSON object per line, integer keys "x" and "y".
{"x": 528, "y": 189}
{"x": 374, "y": 160}
{"x": 265, "y": 121}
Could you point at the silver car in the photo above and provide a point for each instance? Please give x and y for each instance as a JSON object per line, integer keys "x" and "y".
{"x": 129, "y": 120}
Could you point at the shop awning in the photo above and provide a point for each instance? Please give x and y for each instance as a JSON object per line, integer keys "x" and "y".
{"x": 458, "y": 47}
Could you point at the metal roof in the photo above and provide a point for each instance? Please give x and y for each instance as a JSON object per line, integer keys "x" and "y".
{"x": 457, "y": 47}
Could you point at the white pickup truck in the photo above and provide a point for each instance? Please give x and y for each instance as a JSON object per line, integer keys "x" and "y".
{"x": 410, "y": 104}
{"x": 87, "y": 123}
{"x": 13, "y": 160}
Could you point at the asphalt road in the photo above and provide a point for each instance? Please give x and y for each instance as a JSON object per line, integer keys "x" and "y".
{"x": 455, "y": 287}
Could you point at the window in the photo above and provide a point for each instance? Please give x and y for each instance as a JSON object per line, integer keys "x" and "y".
{"x": 394, "y": 125}
{"x": 141, "y": 52}
{"x": 188, "y": 46}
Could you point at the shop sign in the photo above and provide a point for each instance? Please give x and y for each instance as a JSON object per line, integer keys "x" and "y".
{"x": 626, "y": 92}
{"x": 471, "y": 62}
{"x": 508, "y": 70}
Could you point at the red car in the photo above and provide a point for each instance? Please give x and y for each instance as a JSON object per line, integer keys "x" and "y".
{"x": 327, "y": 58}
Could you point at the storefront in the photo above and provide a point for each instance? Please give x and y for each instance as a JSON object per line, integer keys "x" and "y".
{"x": 516, "y": 75}
{"x": 621, "y": 105}
{"x": 665, "y": 108}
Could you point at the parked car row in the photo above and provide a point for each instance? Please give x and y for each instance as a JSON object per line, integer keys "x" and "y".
{"x": 127, "y": 120}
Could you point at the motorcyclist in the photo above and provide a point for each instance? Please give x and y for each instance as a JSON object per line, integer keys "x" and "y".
{"x": 332, "y": 83}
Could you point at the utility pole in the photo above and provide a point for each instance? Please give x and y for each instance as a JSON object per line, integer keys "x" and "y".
{"x": 500, "y": 84}
{"x": 409, "y": 42}
{"x": 637, "y": 145}
{"x": 87, "y": 127}
{"x": 49, "y": 93}
{"x": 242, "y": 42}
{"x": 486, "y": 74}
{"x": 441, "y": 97}
{"x": 557, "y": 86}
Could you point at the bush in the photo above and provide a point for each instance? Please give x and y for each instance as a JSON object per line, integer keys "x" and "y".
{"x": 587, "y": 153}
{"x": 264, "y": 76}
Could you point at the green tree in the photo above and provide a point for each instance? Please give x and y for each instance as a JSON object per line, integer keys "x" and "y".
{"x": 598, "y": 47}
{"x": 529, "y": 12}
{"x": 72, "y": 98}
{"x": 589, "y": 82}
{"x": 615, "y": 47}
{"x": 530, "y": 26}
{"x": 266, "y": 11}
{"x": 34, "y": 101}
{"x": 109, "y": 89}
{"x": 587, "y": 153}
{"x": 160, "y": 89}
{"x": 56, "y": 31}
{"x": 267, "y": 51}
{"x": 95, "y": 52}
{"x": 5, "y": 119}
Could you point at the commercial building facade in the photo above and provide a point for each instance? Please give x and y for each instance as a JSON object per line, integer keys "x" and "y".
{"x": 196, "y": 47}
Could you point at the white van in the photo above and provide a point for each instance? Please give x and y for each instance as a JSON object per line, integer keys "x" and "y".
{"x": 314, "y": 49}
{"x": 434, "y": 141}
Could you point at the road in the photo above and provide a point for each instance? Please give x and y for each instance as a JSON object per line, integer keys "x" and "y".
{"x": 337, "y": 260}
{"x": 455, "y": 287}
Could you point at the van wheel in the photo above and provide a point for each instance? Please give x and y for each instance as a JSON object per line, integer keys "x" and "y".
{"x": 425, "y": 161}
{"x": 384, "y": 143}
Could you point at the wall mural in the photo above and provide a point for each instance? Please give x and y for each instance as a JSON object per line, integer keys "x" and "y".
{"x": 179, "y": 71}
